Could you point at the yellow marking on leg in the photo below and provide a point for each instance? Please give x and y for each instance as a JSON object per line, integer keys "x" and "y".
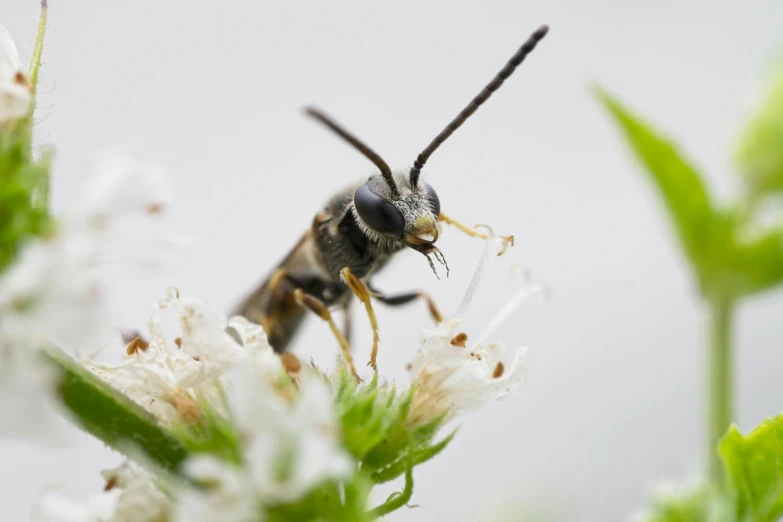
{"x": 508, "y": 240}
{"x": 432, "y": 307}
{"x": 320, "y": 309}
{"x": 360, "y": 291}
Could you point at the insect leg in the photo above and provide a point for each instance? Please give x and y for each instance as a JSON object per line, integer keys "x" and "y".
{"x": 318, "y": 308}
{"x": 347, "y": 323}
{"x": 358, "y": 288}
{"x": 276, "y": 280}
{"x": 509, "y": 240}
{"x": 402, "y": 299}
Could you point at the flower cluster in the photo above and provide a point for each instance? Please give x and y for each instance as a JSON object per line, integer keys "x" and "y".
{"x": 287, "y": 423}
{"x": 216, "y": 426}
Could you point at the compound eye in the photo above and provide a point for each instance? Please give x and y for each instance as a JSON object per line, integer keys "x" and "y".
{"x": 378, "y": 213}
{"x": 434, "y": 199}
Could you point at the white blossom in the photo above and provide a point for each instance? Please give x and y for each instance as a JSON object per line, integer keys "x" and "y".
{"x": 131, "y": 494}
{"x": 292, "y": 442}
{"x": 450, "y": 376}
{"x": 140, "y": 498}
{"x": 290, "y": 438}
{"x": 52, "y": 292}
{"x": 291, "y": 445}
{"x": 229, "y": 496}
{"x": 15, "y": 89}
{"x": 167, "y": 376}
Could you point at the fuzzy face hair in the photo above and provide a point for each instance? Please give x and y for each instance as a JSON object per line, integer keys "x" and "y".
{"x": 416, "y": 205}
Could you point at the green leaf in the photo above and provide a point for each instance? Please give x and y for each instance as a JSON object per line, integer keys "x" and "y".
{"x": 420, "y": 455}
{"x": 678, "y": 182}
{"x": 326, "y": 504}
{"x": 398, "y": 499}
{"x": 756, "y": 265}
{"x": 689, "y": 504}
{"x": 370, "y": 416}
{"x": 110, "y": 416}
{"x": 754, "y": 470}
{"x": 759, "y": 154}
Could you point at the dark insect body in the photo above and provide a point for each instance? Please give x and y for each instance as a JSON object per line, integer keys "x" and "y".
{"x": 357, "y": 233}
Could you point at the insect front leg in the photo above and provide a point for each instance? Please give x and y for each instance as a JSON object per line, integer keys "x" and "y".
{"x": 509, "y": 240}
{"x": 319, "y": 308}
{"x": 403, "y": 299}
{"x": 360, "y": 291}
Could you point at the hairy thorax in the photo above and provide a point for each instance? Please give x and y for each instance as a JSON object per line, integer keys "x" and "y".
{"x": 340, "y": 242}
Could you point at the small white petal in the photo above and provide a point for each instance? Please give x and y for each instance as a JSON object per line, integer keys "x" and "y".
{"x": 204, "y": 333}
{"x": 228, "y": 498}
{"x": 298, "y": 433}
{"x": 15, "y": 100}
{"x": 139, "y": 500}
{"x": 15, "y": 91}
{"x": 450, "y": 380}
{"x": 8, "y": 53}
{"x": 125, "y": 183}
{"x": 169, "y": 374}
{"x": 132, "y": 496}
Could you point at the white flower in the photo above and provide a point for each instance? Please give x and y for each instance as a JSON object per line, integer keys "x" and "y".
{"x": 228, "y": 497}
{"x": 292, "y": 443}
{"x": 52, "y": 292}
{"x": 166, "y": 376}
{"x": 140, "y": 499}
{"x": 131, "y": 495}
{"x": 15, "y": 89}
{"x": 290, "y": 446}
{"x": 451, "y": 377}
{"x": 265, "y": 362}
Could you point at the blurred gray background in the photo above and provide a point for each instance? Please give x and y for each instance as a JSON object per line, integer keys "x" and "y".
{"x": 214, "y": 90}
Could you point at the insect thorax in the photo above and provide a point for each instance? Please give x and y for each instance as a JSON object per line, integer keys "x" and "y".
{"x": 340, "y": 241}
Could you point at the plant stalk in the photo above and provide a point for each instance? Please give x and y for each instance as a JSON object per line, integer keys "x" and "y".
{"x": 720, "y": 384}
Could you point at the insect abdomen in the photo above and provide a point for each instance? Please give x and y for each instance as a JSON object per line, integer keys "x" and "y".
{"x": 273, "y": 305}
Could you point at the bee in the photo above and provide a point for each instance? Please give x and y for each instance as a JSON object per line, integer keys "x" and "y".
{"x": 358, "y": 232}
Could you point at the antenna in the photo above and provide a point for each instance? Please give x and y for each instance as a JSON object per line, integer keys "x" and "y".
{"x": 358, "y": 145}
{"x": 476, "y": 102}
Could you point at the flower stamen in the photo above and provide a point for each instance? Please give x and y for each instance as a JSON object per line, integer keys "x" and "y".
{"x": 527, "y": 289}
{"x": 460, "y": 340}
{"x": 492, "y": 246}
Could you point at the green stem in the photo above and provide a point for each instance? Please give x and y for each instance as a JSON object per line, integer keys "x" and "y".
{"x": 26, "y": 124}
{"x": 398, "y": 499}
{"x": 720, "y": 383}
{"x": 110, "y": 416}
{"x": 35, "y": 59}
